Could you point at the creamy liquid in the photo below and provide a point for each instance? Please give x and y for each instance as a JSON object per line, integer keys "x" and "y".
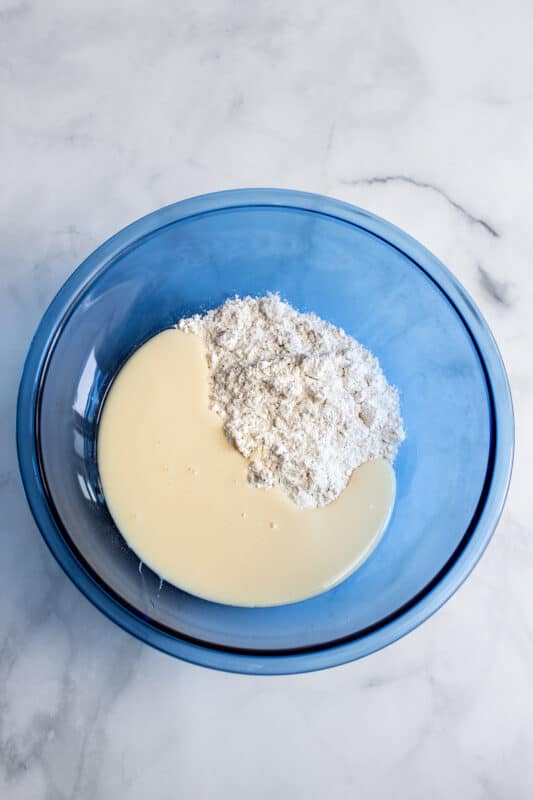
{"x": 177, "y": 491}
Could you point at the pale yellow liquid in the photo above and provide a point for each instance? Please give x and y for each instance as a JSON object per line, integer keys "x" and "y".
{"x": 177, "y": 491}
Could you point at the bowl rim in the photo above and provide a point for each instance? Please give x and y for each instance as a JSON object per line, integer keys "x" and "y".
{"x": 241, "y": 660}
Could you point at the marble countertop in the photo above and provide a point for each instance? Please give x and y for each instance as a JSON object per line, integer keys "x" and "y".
{"x": 421, "y": 112}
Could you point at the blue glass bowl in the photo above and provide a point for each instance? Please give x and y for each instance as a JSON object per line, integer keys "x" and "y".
{"x": 351, "y": 268}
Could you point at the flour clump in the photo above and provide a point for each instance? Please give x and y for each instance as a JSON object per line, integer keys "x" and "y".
{"x": 303, "y": 402}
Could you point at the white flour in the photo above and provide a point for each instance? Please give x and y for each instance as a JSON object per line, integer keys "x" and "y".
{"x": 301, "y": 400}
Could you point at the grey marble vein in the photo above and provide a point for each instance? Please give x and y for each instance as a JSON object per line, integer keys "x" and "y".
{"x": 385, "y": 179}
{"x": 13, "y": 12}
{"x": 498, "y": 290}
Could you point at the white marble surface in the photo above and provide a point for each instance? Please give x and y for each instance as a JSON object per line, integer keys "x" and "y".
{"x": 422, "y": 112}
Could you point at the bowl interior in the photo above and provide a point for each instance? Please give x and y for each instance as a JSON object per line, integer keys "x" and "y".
{"x": 348, "y": 276}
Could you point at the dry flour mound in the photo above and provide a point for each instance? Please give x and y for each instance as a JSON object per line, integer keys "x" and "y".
{"x": 300, "y": 399}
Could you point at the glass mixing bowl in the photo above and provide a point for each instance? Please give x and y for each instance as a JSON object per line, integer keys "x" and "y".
{"x": 358, "y": 272}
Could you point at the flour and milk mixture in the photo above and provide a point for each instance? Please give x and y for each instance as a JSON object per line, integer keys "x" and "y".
{"x": 245, "y": 455}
